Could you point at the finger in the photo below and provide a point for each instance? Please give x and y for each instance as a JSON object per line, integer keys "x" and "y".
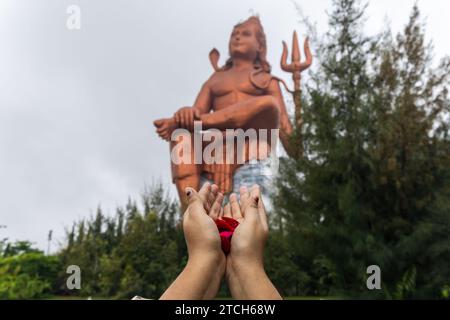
{"x": 196, "y": 114}
{"x": 158, "y": 123}
{"x": 215, "y": 190}
{"x": 211, "y": 197}
{"x": 235, "y": 208}
{"x": 262, "y": 213}
{"x": 227, "y": 211}
{"x": 180, "y": 119}
{"x": 253, "y": 201}
{"x": 191, "y": 121}
{"x": 204, "y": 192}
{"x": 213, "y": 194}
{"x": 216, "y": 207}
{"x": 195, "y": 204}
{"x": 184, "y": 120}
{"x": 245, "y": 195}
{"x": 255, "y": 195}
{"x": 177, "y": 117}
{"x": 163, "y": 134}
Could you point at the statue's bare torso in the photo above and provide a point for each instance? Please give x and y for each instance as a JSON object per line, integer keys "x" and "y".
{"x": 228, "y": 87}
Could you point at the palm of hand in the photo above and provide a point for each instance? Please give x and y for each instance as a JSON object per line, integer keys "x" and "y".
{"x": 199, "y": 225}
{"x": 249, "y": 237}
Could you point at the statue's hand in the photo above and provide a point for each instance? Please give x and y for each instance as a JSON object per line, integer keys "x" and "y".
{"x": 165, "y": 127}
{"x": 186, "y": 116}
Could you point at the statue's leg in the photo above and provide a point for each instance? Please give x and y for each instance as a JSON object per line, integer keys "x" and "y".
{"x": 185, "y": 172}
{"x": 257, "y": 112}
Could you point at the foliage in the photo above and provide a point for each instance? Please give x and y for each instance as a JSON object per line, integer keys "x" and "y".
{"x": 138, "y": 251}
{"x": 374, "y": 185}
{"x": 26, "y": 273}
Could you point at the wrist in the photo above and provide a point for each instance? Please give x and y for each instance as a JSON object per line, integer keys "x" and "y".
{"x": 254, "y": 284}
{"x": 210, "y": 263}
{"x": 211, "y": 268}
{"x": 205, "y": 256}
{"x": 247, "y": 262}
{"x": 244, "y": 268}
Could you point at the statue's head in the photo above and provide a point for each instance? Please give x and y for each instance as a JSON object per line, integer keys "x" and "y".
{"x": 249, "y": 40}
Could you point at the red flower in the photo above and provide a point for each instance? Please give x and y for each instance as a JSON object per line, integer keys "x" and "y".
{"x": 226, "y": 228}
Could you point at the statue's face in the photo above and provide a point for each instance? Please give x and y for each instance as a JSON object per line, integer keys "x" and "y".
{"x": 243, "y": 41}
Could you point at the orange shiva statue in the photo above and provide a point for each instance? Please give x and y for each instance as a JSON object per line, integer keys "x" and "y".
{"x": 241, "y": 94}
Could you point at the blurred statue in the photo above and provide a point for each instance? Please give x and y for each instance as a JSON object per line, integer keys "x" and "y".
{"x": 242, "y": 94}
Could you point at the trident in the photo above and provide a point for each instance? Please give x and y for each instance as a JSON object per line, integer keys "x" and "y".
{"x": 296, "y": 68}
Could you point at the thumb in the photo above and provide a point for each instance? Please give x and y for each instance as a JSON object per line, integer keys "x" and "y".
{"x": 197, "y": 114}
{"x": 191, "y": 195}
{"x": 195, "y": 203}
{"x": 157, "y": 123}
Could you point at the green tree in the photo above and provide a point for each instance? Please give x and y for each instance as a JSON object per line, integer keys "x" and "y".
{"x": 26, "y": 273}
{"x": 373, "y": 185}
{"x": 137, "y": 251}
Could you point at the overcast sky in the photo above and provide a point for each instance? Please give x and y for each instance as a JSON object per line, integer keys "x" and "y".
{"x": 76, "y": 107}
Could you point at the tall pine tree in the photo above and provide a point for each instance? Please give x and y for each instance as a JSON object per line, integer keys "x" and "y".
{"x": 373, "y": 186}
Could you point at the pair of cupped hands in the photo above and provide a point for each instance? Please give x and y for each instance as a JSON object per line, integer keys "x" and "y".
{"x": 207, "y": 265}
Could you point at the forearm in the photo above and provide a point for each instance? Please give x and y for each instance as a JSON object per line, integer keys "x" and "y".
{"x": 240, "y": 114}
{"x": 194, "y": 281}
{"x": 286, "y": 142}
{"x": 213, "y": 288}
{"x": 234, "y": 286}
{"x": 254, "y": 283}
{"x": 214, "y": 285}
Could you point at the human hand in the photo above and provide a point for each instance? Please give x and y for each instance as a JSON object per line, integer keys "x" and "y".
{"x": 250, "y": 236}
{"x": 245, "y": 263}
{"x": 207, "y": 263}
{"x": 201, "y": 233}
{"x": 201, "y": 277}
{"x": 165, "y": 127}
